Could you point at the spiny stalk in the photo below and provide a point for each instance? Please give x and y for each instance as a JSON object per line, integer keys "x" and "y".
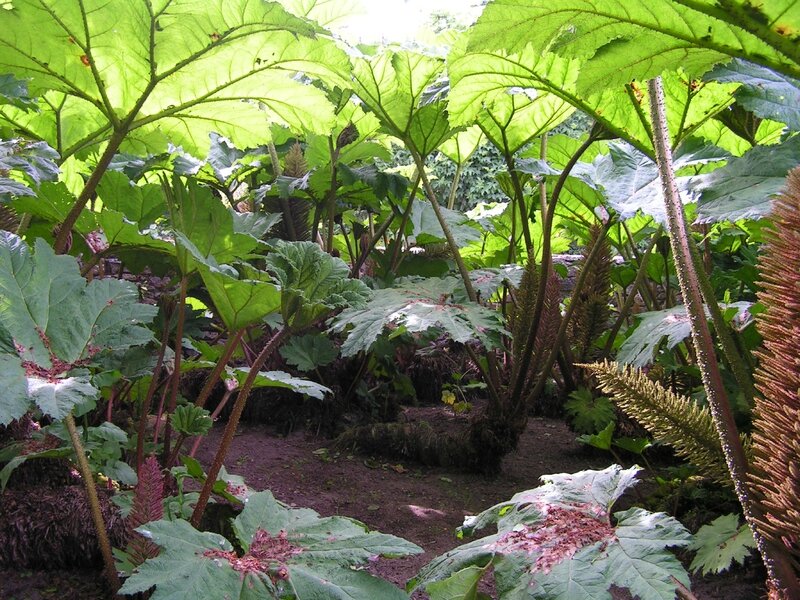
{"x": 776, "y": 418}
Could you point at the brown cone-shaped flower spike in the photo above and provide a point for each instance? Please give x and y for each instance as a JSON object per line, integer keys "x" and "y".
{"x": 348, "y": 135}
{"x": 776, "y": 440}
{"x": 295, "y": 162}
{"x": 148, "y": 499}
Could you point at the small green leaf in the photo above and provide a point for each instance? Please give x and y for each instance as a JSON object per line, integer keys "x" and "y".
{"x": 309, "y": 351}
{"x": 633, "y": 445}
{"x": 589, "y": 414}
{"x": 193, "y": 468}
{"x": 720, "y": 544}
{"x": 461, "y": 585}
{"x": 191, "y": 420}
{"x": 600, "y": 440}
{"x": 15, "y": 91}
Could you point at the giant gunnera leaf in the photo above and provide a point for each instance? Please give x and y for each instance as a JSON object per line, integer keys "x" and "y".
{"x": 419, "y": 305}
{"x": 560, "y": 542}
{"x": 286, "y": 553}
{"x": 165, "y": 71}
{"x": 52, "y": 325}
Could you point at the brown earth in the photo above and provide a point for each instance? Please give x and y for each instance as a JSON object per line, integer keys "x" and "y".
{"x": 421, "y": 504}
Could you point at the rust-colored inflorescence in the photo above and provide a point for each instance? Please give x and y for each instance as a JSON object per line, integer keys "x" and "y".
{"x": 563, "y": 532}
{"x": 776, "y": 422}
{"x": 148, "y": 505}
{"x": 266, "y": 553}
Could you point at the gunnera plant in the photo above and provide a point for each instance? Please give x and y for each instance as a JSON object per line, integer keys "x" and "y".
{"x": 561, "y": 541}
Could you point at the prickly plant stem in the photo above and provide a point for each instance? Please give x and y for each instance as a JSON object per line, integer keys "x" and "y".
{"x": 626, "y": 308}
{"x": 491, "y": 374}
{"x": 382, "y": 229}
{"x": 403, "y": 222}
{"x": 151, "y": 390}
{"x": 94, "y": 504}
{"x": 520, "y": 201}
{"x": 233, "y": 423}
{"x": 547, "y": 227}
{"x": 779, "y": 568}
{"x": 331, "y": 197}
{"x": 60, "y": 244}
{"x": 216, "y": 372}
{"x": 451, "y": 242}
{"x": 682, "y": 591}
{"x": 594, "y": 252}
{"x": 24, "y": 223}
{"x": 729, "y": 349}
{"x": 172, "y": 403}
{"x": 543, "y": 182}
{"x": 649, "y": 293}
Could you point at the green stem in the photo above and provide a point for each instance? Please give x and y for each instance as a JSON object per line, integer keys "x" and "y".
{"x": 403, "y": 222}
{"x": 641, "y": 273}
{"x": 94, "y": 504}
{"x": 451, "y": 198}
{"x": 520, "y": 201}
{"x": 778, "y": 564}
{"x": 213, "y": 378}
{"x": 451, "y": 242}
{"x": 24, "y": 223}
{"x": 331, "y": 196}
{"x": 233, "y": 423}
{"x": 543, "y": 182}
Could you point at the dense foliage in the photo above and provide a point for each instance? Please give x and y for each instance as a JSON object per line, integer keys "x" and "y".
{"x": 226, "y": 188}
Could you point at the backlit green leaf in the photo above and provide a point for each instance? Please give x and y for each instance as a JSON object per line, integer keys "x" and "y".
{"x": 392, "y": 85}
{"x": 170, "y": 71}
{"x": 621, "y": 42}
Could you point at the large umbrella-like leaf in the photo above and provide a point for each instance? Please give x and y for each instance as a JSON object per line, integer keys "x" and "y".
{"x": 170, "y": 71}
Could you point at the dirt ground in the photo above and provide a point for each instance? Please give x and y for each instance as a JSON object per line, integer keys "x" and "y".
{"x": 421, "y": 504}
